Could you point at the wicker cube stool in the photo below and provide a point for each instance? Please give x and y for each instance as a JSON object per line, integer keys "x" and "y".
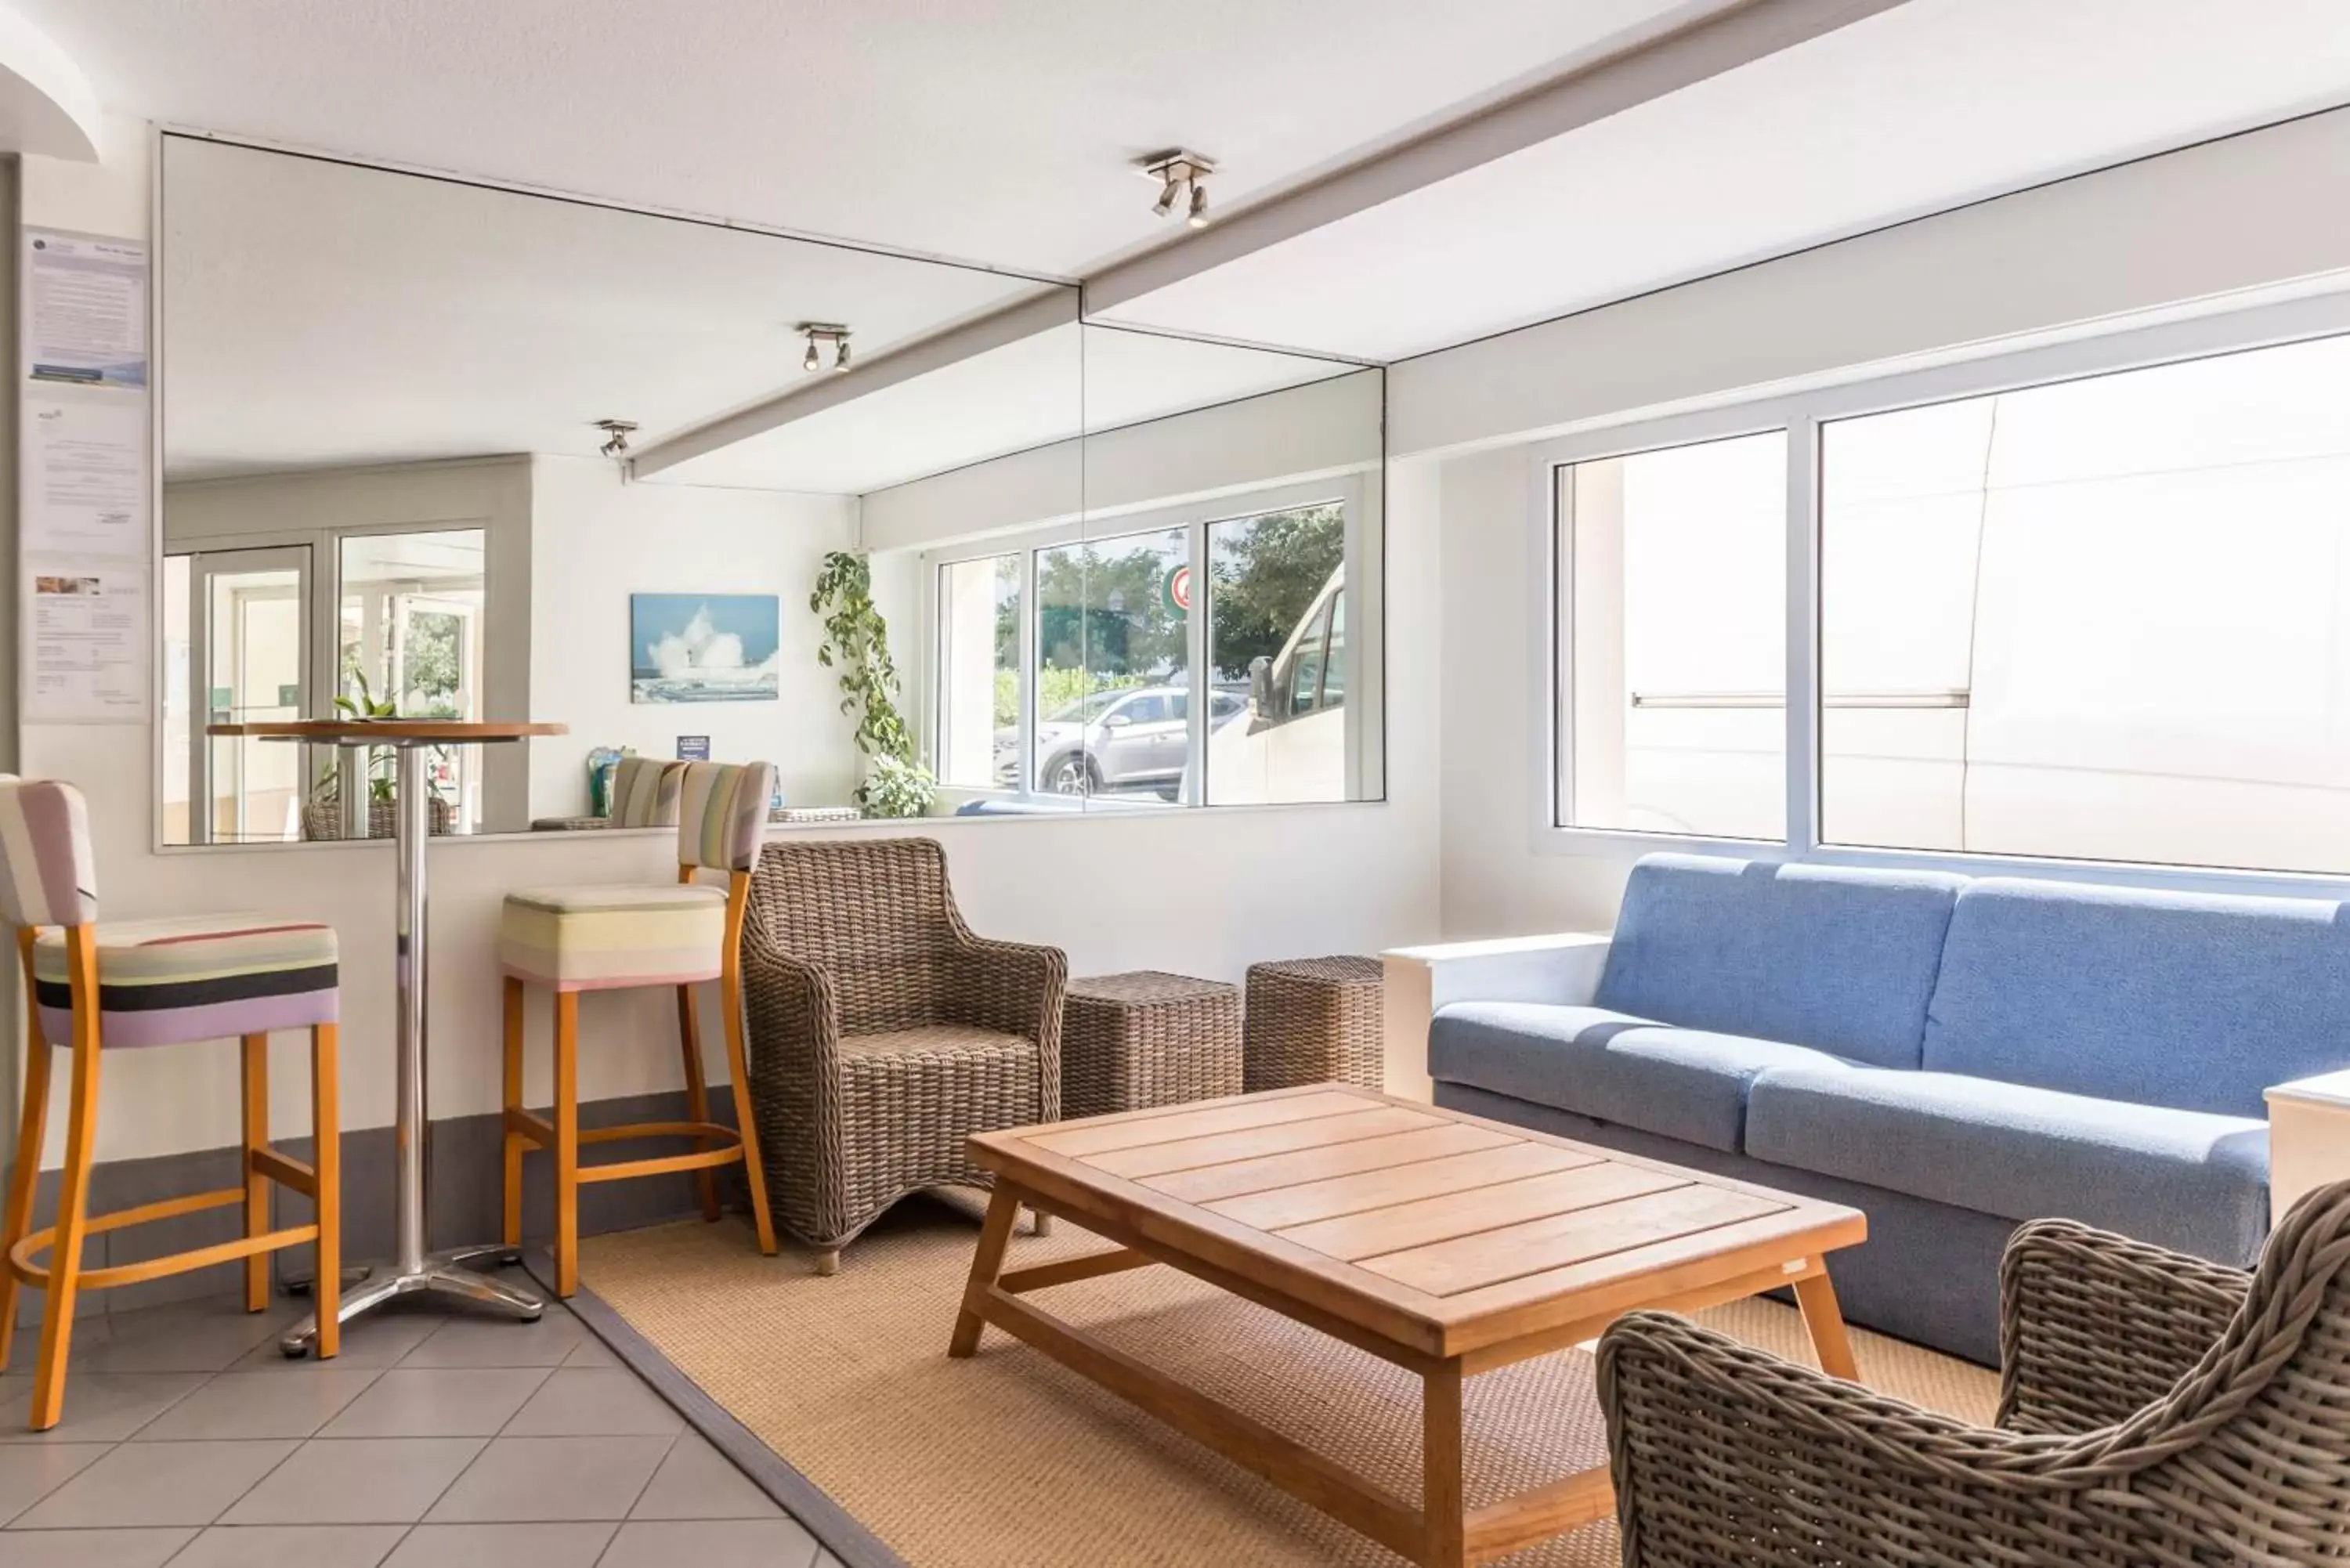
{"x": 1314, "y": 1021}
{"x": 1129, "y": 1042}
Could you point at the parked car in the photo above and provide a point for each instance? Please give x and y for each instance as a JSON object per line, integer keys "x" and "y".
{"x": 1114, "y": 741}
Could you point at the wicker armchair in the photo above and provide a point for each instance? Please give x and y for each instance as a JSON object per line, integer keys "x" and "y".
{"x": 883, "y": 1034}
{"x": 2153, "y": 1410}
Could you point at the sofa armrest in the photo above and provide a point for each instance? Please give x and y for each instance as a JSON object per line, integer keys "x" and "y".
{"x": 2309, "y": 1137}
{"x": 1562, "y": 968}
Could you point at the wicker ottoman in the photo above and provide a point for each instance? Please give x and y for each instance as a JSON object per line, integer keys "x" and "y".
{"x": 1129, "y": 1042}
{"x": 1314, "y": 1021}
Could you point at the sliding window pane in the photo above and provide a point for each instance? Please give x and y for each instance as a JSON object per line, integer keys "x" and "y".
{"x": 979, "y": 673}
{"x": 1276, "y": 657}
{"x": 2107, "y": 619}
{"x": 1675, "y": 658}
{"x": 1113, "y": 680}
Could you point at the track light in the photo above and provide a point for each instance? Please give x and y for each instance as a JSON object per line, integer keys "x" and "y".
{"x": 830, "y": 332}
{"x": 1177, "y": 172}
{"x": 615, "y": 436}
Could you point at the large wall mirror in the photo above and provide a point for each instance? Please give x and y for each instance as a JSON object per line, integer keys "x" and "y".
{"x": 1113, "y": 570}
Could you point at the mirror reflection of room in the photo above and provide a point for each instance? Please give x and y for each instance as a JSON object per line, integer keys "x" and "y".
{"x": 979, "y": 561}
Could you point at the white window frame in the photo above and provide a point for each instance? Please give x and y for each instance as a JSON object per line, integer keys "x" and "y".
{"x": 1364, "y": 653}
{"x": 1801, "y": 415}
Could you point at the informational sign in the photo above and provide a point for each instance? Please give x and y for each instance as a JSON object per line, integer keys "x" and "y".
{"x": 85, "y": 310}
{"x": 86, "y": 537}
{"x": 86, "y": 472}
{"x": 693, "y": 748}
{"x": 88, "y": 632}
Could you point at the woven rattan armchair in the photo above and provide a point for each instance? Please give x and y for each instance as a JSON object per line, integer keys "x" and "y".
{"x": 883, "y": 1034}
{"x": 2153, "y": 1410}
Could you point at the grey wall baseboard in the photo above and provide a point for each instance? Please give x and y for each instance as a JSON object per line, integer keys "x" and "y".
{"x": 464, "y": 1198}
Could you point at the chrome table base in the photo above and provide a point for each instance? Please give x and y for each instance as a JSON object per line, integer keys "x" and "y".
{"x": 412, "y": 1272}
{"x": 441, "y": 1274}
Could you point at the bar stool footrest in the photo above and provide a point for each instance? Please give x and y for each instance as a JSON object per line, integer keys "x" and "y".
{"x": 20, "y": 1257}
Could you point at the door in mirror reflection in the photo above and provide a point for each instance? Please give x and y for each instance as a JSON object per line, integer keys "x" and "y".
{"x": 410, "y": 637}
{"x": 236, "y": 631}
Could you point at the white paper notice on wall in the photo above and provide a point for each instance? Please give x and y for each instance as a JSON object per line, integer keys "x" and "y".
{"x": 85, "y": 310}
{"x": 85, "y": 542}
{"x": 86, "y": 631}
{"x": 85, "y": 472}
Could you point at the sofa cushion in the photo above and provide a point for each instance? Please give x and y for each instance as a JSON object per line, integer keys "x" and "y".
{"x": 1677, "y": 1083}
{"x": 2162, "y": 999}
{"x": 2185, "y": 1180}
{"x": 1823, "y": 956}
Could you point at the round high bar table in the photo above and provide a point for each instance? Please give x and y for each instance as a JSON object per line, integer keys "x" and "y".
{"x": 411, "y": 1271}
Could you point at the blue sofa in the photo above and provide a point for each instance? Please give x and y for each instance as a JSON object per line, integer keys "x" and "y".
{"x": 1951, "y": 1055}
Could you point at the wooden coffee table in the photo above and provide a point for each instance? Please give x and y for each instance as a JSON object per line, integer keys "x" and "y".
{"x": 1441, "y": 1241}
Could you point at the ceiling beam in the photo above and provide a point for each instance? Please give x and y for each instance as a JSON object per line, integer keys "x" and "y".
{"x": 1037, "y": 313}
{"x": 1645, "y": 71}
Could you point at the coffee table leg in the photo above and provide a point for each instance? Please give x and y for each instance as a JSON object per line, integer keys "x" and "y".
{"x": 1443, "y": 1506}
{"x": 1003, "y": 1210}
{"x": 1825, "y": 1320}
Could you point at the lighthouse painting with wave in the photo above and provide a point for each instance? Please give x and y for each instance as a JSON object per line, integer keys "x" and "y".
{"x": 703, "y": 648}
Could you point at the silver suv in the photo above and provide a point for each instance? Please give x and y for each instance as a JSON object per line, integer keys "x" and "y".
{"x": 1134, "y": 740}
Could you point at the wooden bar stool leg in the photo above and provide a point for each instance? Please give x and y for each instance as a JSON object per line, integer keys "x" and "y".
{"x": 510, "y": 1232}
{"x": 738, "y": 1068}
{"x": 24, "y": 1176}
{"x": 256, "y": 1052}
{"x": 567, "y": 1142}
{"x": 73, "y": 1188}
{"x": 697, "y": 1090}
{"x": 326, "y": 1163}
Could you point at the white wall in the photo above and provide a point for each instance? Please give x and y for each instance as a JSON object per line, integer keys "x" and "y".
{"x": 1206, "y": 892}
{"x": 2211, "y": 226}
{"x": 598, "y": 541}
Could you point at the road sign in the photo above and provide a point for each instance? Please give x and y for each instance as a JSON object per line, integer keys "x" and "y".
{"x": 1175, "y": 591}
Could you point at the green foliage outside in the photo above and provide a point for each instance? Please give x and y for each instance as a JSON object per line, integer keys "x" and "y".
{"x": 1265, "y": 573}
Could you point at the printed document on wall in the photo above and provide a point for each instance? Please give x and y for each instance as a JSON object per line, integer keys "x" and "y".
{"x": 85, "y": 310}
{"x": 87, "y": 633}
{"x": 85, "y": 473}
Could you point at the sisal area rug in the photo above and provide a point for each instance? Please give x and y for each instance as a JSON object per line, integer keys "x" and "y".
{"x": 1007, "y": 1459}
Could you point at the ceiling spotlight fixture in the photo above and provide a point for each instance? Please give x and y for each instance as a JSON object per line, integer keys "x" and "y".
{"x": 615, "y": 436}
{"x": 1179, "y": 171}
{"x": 830, "y": 332}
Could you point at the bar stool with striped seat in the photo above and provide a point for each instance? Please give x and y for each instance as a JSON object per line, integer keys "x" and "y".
{"x": 570, "y": 939}
{"x": 134, "y": 983}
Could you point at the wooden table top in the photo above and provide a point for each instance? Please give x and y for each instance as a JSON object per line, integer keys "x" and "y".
{"x": 387, "y": 731}
{"x": 1442, "y": 1231}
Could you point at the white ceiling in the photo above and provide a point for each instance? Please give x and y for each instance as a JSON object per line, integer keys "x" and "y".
{"x": 318, "y": 314}
{"x": 1043, "y": 388}
{"x": 1926, "y": 106}
{"x": 1001, "y": 132}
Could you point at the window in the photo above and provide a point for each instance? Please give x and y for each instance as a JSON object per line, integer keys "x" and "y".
{"x": 2105, "y": 619}
{"x": 1113, "y": 682}
{"x": 1109, "y": 619}
{"x": 1274, "y": 581}
{"x": 2087, "y": 602}
{"x": 979, "y": 673}
{"x": 1673, "y": 568}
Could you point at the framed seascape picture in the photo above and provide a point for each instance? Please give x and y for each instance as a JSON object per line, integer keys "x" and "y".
{"x": 703, "y": 648}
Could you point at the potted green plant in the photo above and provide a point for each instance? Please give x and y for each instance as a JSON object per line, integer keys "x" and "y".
{"x": 322, "y": 814}
{"x": 856, "y": 643}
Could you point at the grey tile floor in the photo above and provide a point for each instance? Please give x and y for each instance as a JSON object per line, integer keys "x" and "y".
{"x": 432, "y": 1441}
